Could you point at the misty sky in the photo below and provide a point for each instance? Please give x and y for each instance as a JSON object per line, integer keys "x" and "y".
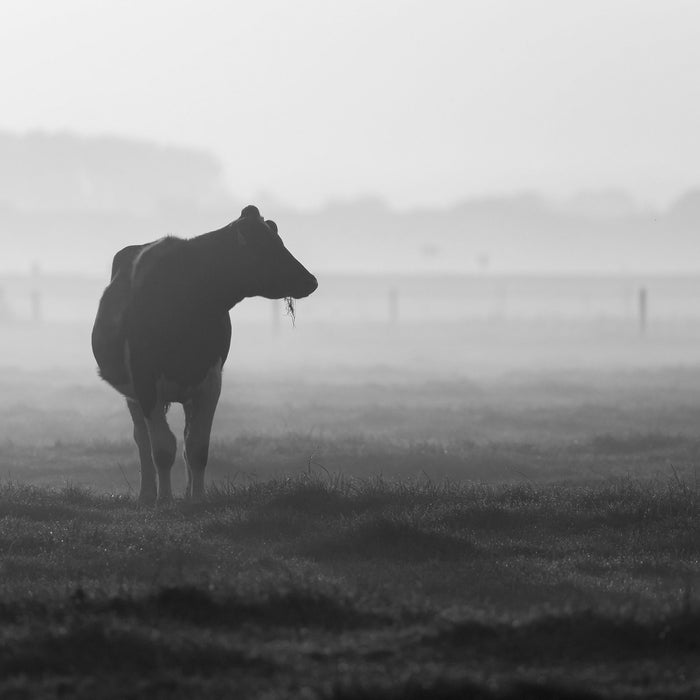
{"x": 418, "y": 102}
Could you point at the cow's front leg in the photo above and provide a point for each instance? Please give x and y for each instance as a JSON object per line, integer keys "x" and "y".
{"x": 199, "y": 416}
{"x": 148, "y": 492}
{"x": 163, "y": 447}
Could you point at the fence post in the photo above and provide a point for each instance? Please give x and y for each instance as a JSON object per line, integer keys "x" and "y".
{"x": 393, "y": 306}
{"x": 276, "y": 316}
{"x": 4, "y": 311}
{"x": 35, "y": 294}
{"x": 643, "y": 307}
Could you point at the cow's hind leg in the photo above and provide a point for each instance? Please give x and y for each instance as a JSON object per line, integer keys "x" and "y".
{"x": 163, "y": 446}
{"x": 199, "y": 416}
{"x": 147, "y": 494}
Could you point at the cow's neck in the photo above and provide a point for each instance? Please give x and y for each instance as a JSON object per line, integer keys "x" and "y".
{"x": 223, "y": 274}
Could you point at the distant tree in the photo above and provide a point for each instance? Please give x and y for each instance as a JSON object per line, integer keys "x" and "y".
{"x": 66, "y": 172}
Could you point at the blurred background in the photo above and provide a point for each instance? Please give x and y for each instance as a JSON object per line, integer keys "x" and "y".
{"x": 479, "y": 186}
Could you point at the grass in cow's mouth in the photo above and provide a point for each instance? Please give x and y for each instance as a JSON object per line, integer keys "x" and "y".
{"x": 291, "y": 310}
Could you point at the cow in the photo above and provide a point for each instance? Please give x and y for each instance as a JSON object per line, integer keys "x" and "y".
{"x": 162, "y": 333}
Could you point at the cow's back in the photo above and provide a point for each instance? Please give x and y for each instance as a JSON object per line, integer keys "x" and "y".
{"x": 176, "y": 330}
{"x": 155, "y": 322}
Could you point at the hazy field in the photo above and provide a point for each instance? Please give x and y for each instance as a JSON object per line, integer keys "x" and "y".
{"x": 476, "y": 528}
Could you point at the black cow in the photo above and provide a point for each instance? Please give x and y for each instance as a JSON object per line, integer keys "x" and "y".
{"x": 162, "y": 332}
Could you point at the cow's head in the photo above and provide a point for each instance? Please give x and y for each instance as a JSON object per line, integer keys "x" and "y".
{"x": 272, "y": 271}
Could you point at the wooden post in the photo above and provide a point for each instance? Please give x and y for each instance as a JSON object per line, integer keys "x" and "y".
{"x": 276, "y": 313}
{"x": 393, "y": 306}
{"x": 35, "y": 295}
{"x": 4, "y": 311}
{"x": 643, "y": 306}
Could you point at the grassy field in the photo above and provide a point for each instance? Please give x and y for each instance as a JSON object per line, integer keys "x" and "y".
{"x": 373, "y": 536}
{"x": 315, "y": 587}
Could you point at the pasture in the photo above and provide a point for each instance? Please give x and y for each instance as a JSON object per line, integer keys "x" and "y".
{"x": 369, "y": 532}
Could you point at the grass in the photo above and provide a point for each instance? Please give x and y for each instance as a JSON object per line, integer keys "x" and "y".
{"x": 323, "y": 586}
{"x": 112, "y": 466}
{"x": 377, "y": 536}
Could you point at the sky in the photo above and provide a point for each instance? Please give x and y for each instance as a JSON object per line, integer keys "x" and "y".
{"x": 417, "y": 102}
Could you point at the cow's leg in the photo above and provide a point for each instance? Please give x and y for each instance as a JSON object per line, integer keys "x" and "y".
{"x": 147, "y": 494}
{"x": 163, "y": 446}
{"x": 199, "y": 416}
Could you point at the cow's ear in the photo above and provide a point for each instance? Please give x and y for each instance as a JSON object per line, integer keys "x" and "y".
{"x": 271, "y": 225}
{"x": 250, "y": 212}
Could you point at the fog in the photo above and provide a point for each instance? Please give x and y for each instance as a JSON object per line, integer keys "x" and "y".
{"x": 458, "y": 457}
{"x": 419, "y": 103}
{"x": 477, "y": 186}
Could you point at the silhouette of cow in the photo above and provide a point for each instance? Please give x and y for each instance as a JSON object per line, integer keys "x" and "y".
{"x": 163, "y": 332}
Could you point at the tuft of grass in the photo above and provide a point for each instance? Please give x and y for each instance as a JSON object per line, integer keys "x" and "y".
{"x": 588, "y": 633}
{"x": 390, "y": 539}
{"x": 89, "y": 647}
{"x": 458, "y": 687}
{"x": 291, "y": 607}
{"x": 636, "y": 443}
